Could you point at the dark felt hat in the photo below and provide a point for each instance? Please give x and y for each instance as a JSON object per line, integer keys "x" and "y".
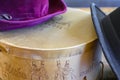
{"x": 108, "y": 31}
{"x": 25, "y": 13}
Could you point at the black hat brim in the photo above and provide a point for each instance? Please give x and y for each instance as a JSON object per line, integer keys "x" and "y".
{"x": 106, "y": 41}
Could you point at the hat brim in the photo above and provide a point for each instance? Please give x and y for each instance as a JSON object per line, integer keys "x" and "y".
{"x": 98, "y": 16}
{"x": 53, "y": 11}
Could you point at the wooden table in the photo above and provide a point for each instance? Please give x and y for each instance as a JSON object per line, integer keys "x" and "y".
{"x": 106, "y": 10}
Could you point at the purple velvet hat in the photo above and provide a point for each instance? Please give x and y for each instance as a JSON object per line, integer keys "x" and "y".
{"x": 25, "y": 13}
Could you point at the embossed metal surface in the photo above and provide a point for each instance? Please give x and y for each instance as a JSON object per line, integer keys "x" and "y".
{"x": 71, "y": 62}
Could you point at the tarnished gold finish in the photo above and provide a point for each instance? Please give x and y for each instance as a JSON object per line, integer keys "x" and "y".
{"x": 64, "y": 48}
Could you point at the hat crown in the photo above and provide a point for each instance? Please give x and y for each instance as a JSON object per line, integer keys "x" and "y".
{"x": 115, "y": 18}
{"x": 16, "y": 14}
{"x": 24, "y": 9}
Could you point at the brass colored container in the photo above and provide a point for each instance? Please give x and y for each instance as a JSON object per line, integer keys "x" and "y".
{"x": 64, "y": 48}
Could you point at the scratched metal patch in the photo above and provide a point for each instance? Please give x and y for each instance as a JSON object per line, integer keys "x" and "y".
{"x": 83, "y": 66}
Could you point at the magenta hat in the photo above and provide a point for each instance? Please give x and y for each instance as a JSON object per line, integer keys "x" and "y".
{"x": 16, "y": 14}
